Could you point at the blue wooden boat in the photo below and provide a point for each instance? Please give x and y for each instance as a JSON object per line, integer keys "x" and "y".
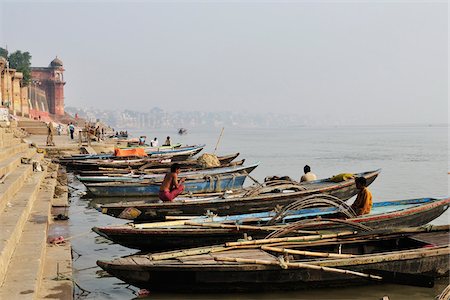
{"x": 178, "y": 234}
{"x": 175, "y": 151}
{"x": 208, "y": 184}
{"x": 160, "y": 177}
{"x": 151, "y": 152}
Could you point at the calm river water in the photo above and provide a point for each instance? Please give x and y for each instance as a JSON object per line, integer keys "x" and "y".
{"x": 414, "y": 163}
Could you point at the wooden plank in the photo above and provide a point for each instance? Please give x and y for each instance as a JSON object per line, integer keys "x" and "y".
{"x": 88, "y": 150}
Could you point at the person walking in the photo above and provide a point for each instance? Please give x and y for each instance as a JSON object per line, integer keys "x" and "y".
{"x": 71, "y": 130}
{"x": 50, "y": 134}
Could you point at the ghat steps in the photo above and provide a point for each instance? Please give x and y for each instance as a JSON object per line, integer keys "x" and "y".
{"x": 33, "y": 127}
{"x": 27, "y": 185}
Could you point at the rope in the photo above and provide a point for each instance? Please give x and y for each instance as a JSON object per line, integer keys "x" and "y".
{"x": 313, "y": 201}
{"x": 218, "y": 187}
{"x": 282, "y": 262}
{"x": 308, "y": 223}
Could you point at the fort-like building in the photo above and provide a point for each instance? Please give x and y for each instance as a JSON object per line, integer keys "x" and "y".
{"x": 51, "y": 81}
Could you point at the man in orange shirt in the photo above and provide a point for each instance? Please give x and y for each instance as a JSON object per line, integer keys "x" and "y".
{"x": 363, "y": 202}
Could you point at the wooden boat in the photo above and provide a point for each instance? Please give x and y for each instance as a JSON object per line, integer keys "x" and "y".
{"x": 160, "y": 176}
{"x": 81, "y": 157}
{"x": 164, "y": 168}
{"x": 180, "y": 153}
{"x": 133, "y": 163}
{"x": 298, "y": 262}
{"x": 161, "y": 166}
{"x": 207, "y": 230}
{"x": 146, "y": 188}
{"x": 175, "y": 151}
{"x": 226, "y": 159}
{"x": 252, "y": 202}
{"x": 135, "y": 144}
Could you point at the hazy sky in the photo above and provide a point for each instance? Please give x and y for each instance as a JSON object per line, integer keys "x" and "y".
{"x": 365, "y": 62}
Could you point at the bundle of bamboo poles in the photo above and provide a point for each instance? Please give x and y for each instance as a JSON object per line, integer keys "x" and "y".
{"x": 255, "y": 244}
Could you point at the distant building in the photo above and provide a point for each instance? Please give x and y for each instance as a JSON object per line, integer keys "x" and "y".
{"x": 12, "y": 94}
{"x": 51, "y": 81}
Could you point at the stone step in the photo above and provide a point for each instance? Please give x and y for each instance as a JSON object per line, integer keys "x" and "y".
{"x": 7, "y": 152}
{"x": 58, "y": 258}
{"x": 5, "y": 139}
{"x": 13, "y": 218}
{"x": 24, "y": 274}
{"x": 11, "y": 142}
{"x": 36, "y": 130}
{"x": 7, "y": 166}
{"x": 31, "y": 123}
{"x": 14, "y": 181}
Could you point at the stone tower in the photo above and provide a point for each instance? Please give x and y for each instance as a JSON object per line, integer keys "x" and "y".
{"x": 51, "y": 80}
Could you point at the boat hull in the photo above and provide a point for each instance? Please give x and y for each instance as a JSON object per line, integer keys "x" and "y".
{"x": 211, "y": 184}
{"x": 159, "y": 177}
{"x": 235, "y": 206}
{"x": 171, "y": 238}
{"x": 202, "y": 272}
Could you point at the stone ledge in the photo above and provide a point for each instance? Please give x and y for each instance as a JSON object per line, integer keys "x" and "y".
{"x": 15, "y": 217}
{"x": 28, "y": 258}
{"x": 10, "y": 164}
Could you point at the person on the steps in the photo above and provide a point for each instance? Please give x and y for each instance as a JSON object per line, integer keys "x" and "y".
{"x": 308, "y": 176}
{"x": 171, "y": 187}
{"x": 167, "y": 142}
{"x": 50, "y": 134}
{"x": 71, "y": 130}
{"x": 363, "y": 202}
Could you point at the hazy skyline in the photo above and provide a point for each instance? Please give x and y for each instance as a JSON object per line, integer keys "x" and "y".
{"x": 367, "y": 63}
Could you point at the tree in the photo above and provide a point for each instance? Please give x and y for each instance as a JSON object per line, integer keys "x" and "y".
{"x": 3, "y": 53}
{"x": 21, "y": 61}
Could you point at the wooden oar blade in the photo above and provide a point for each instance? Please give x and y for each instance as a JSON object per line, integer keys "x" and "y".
{"x": 404, "y": 278}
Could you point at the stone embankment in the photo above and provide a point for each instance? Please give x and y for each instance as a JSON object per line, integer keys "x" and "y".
{"x": 31, "y": 267}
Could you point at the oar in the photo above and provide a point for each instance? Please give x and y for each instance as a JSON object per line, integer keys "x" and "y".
{"x": 387, "y": 276}
{"x": 289, "y": 265}
{"x": 292, "y": 239}
{"x": 243, "y": 227}
{"x": 306, "y": 253}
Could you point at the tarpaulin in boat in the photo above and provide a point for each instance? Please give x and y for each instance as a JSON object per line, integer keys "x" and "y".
{"x": 130, "y": 152}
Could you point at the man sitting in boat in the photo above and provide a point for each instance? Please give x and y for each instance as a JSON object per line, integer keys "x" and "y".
{"x": 363, "y": 202}
{"x": 154, "y": 142}
{"x": 171, "y": 186}
{"x": 308, "y": 176}
{"x": 167, "y": 142}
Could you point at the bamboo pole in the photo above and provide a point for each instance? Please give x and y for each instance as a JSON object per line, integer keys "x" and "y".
{"x": 171, "y": 218}
{"x": 188, "y": 252}
{"x": 297, "y": 266}
{"x": 303, "y": 244}
{"x": 293, "y": 239}
{"x": 306, "y": 253}
{"x": 243, "y": 227}
{"x": 159, "y": 224}
{"x": 218, "y": 141}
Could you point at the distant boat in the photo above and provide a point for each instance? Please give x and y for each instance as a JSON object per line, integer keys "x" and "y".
{"x": 182, "y": 131}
